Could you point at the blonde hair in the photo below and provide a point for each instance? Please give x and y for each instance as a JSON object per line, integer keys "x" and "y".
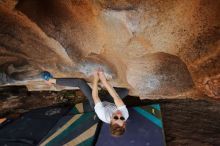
{"x": 116, "y": 130}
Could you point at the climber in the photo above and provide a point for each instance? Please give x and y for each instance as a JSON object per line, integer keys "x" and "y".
{"x": 114, "y": 114}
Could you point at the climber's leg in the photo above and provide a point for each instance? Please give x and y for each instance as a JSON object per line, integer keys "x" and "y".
{"x": 75, "y": 82}
{"x": 122, "y": 92}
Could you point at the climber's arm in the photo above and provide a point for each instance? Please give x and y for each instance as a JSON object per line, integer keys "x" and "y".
{"x": 118, "y": 101}
{"x": 95, "y": 95}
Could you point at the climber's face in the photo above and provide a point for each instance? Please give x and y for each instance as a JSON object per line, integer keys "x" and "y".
{"x": 117, "y": 125}
{"x": 117, "y": 118}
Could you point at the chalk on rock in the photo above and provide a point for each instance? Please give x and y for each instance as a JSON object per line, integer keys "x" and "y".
{"x": 88, "y": 68}
{"x": 5, "y": 79}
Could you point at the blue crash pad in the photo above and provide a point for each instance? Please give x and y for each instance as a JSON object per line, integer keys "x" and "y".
{"x": 144, "y": 128}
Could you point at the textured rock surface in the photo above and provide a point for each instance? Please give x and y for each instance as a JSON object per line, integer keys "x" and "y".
{"x": 157, "y": 49}
{"x": 191, "y": 122}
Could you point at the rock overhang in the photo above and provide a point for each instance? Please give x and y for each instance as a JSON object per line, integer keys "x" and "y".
{"x": 157, "y": 49}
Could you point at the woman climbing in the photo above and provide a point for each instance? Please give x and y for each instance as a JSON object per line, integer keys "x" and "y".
{"x": 111, "y": 110}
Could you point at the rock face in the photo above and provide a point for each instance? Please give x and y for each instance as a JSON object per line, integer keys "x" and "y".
{"x": 159, "y": 74}
{"x": 157, "y": 49}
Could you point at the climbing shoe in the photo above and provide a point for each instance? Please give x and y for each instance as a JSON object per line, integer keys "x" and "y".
{"x": 46, "y": 75}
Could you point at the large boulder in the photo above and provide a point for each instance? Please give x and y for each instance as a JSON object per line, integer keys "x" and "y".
{"x": 159, "y": 75}
{"x": 70, "y": 38}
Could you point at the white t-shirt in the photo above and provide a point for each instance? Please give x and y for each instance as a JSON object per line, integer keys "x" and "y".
{"x": 105, "y": 109}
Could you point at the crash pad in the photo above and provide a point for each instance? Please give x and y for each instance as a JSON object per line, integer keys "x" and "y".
{"x": 77, "y": 130}
{"x": 31, "y": 127}
{"x": 144, "y": 128}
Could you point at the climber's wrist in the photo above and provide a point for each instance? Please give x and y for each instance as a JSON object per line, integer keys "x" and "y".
{"x": 103, "y": 80}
